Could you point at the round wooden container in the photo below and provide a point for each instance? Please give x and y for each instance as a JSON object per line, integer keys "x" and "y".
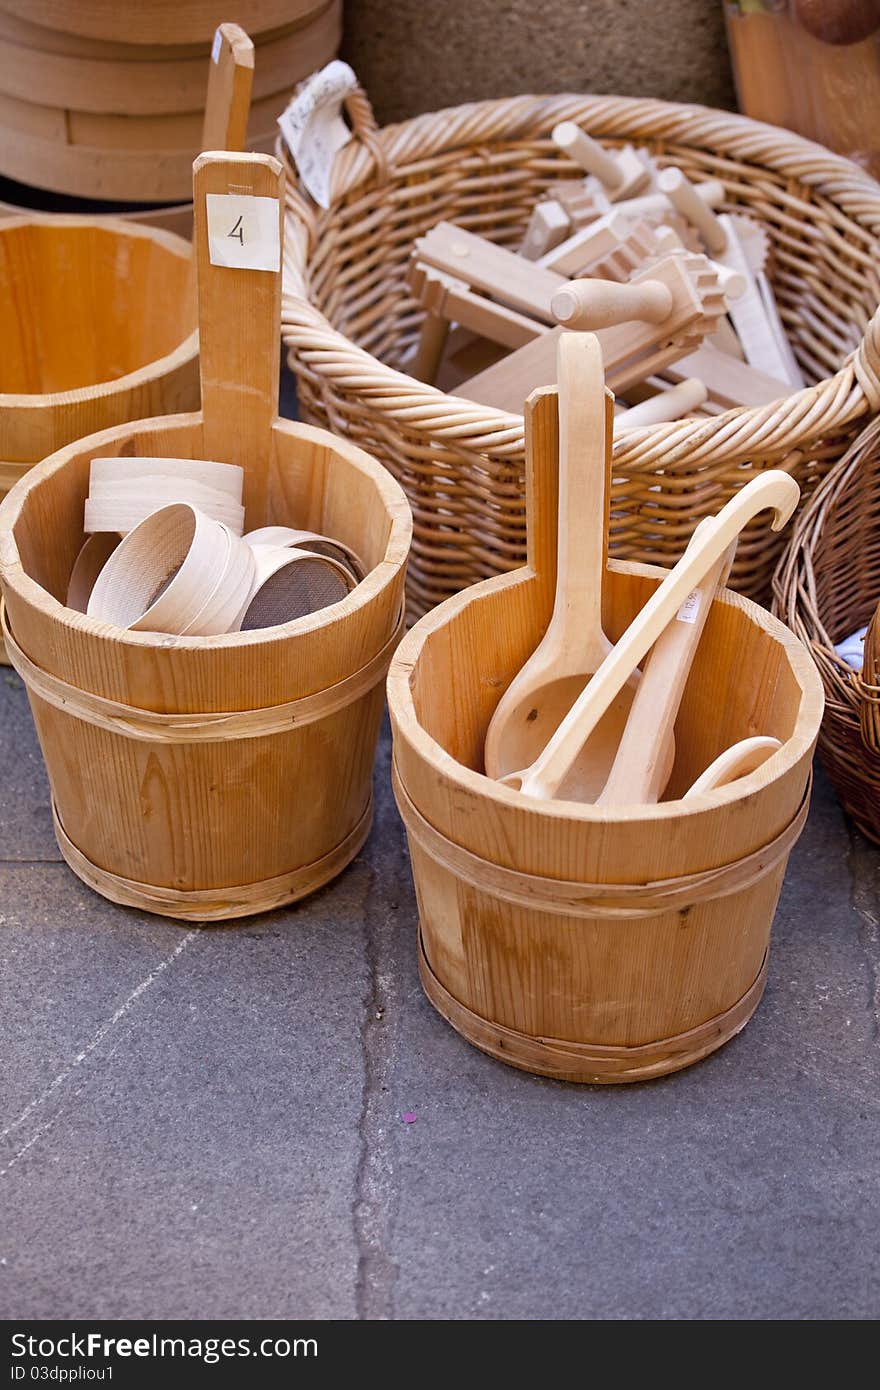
{"x": 568, "y": 940}
{"x": 212, "y": 777}
{"x": 99, "y": 328}
{"x": 156, "y": 22}
{"x": 123, "y": 121}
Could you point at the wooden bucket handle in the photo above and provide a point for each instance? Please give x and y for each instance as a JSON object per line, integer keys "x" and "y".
{"x": 239, "y": 329}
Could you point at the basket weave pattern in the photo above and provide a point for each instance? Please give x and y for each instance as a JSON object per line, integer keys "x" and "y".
{"x": 828, "y": 586}
{"x": 350, "y": 322}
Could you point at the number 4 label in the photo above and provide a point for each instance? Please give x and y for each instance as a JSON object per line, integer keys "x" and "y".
{"x": 243, "y": 231}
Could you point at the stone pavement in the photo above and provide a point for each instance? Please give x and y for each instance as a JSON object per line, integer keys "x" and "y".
{"x": 207, "y": 1123}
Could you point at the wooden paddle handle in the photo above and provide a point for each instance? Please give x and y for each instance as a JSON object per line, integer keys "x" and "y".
{"x": 595, "y": 304}
{"x": 671, "y": 404}
{"x": 239, "y": 315}
{"x": 686, "y": 201}
{"x": 230, "y": 82}
{"x": 735, "y": 762}
{"x": 775, "y": 490}
{"x": 640, "y": 769}
{"x": 590, "y": 155}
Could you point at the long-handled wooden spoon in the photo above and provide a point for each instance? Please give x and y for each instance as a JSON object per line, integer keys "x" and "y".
{"x": 735, "y": 762}
{"x": 642, "y": 766}
{"x": 558, "y": 770}
{"x": 574, "y": 645}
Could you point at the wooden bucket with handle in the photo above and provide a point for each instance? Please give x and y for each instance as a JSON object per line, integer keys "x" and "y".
{"x": 595, "y": 943}
{"x": 213, "y": 777}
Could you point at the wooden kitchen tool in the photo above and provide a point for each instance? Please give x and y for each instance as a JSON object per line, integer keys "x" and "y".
{"x": 611, "y": 248}
{"x": 230, "y": 83}
{"x": 642, "y": 763}
{"x": 309, "y": 540}
{"x": 178, "y": 571}
{"x": 679, "y": 300}
{"x": 290, "y": 583}
{"x": 123, "y": 491}
{"x": 95, "y": 553}
{"x": 207, "y": 778}
{"x": 557, "y": 771}
{"x": 754, "y": 313}
{"x": 575, "y": 644}
{"x": 621, "y": 173}
{"x": 671, "y": 404}
{"x": 735, "y": 762}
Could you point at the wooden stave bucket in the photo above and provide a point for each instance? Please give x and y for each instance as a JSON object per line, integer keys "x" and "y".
{"x": 97, "y": 750}
{"x": 35, "y": 424}
{"x": 497, "y": 873}
{"x": 127, "y": 770}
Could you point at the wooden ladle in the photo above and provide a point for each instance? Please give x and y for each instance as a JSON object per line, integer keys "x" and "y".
{"x": 552, "y": 772}
{"x": 574, "y": 645}
{"x": 735, "y": 762}
{"x": 641, "y": 767}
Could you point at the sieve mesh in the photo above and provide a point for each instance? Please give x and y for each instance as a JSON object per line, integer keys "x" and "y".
{"x": 302, "y": 586}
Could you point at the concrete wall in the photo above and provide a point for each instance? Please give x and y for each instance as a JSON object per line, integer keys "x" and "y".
{"x": 413, "y": 55}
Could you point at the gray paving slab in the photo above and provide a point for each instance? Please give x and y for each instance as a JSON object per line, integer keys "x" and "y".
{"x": 213, "y": 1119}
{"x": 746, "y": 1187}
{"x": 25, "y": 818}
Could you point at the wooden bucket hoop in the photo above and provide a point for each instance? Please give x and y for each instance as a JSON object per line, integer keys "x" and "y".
{"x": 591, "y": 1063}
{"x": 577, "y": 899}
{"x": 150, "y": 727}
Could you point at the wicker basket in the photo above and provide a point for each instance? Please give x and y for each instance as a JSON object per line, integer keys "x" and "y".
{"x": 349, "y": 322}
{"x": 827, "y": 586}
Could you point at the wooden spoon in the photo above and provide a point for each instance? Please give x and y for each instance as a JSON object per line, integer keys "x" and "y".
{"x": 642, "y": 766}
{"x": 552, "y": 773}
{"x": 574, "y": 645}
{"x": 735, "y": 762}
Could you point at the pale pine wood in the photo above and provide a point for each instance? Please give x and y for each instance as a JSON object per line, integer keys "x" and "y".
{"x": 160, "y": 22}
{"x": 99, "y": 327}
{"x": 680, "y": 294}
{"x": 549, "y": 224}
{"x": 610, "y": 248}
{"x": 733, "y": 763}
{"x": 729, "y": 382}
{"x": 207, "y": 777}
{"x": 671, "y": 404}
{"x": 230, "y": 83}
{"x": 621, "y": 173}
{"x": 559, "y": 760}
{"x": 518, "y": 283}
{"x": 520, "y": 901}
{"x": 575, "y": 644}
{"x": 138, "y": 80}
{"x": 238, "y": 314}
{"x": 646, "y": 750}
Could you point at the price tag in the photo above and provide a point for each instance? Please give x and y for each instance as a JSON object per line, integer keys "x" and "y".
{"x": 313, "y": 128}
{"x": 215, "y": 50}
{"x": 243, "y": 231}
{"x": 690, "y": 609}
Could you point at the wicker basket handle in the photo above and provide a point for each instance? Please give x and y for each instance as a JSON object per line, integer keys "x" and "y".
{"x": 866, "y": 363}
{"x": 869, "y": 691}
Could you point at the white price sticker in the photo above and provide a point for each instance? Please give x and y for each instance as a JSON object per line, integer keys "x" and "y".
{"x": 215, "y": 51}
{"x": 243, "y": 231}
{"x": 690, "y": 609}
{"x": 313, "y": 128}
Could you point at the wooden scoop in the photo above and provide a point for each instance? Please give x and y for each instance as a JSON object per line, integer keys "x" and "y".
{"x": 642, "y": 765}
{"x": 574, "y": 645}
{"x": 735, "y": 762}
{"x": 558, "y": 768}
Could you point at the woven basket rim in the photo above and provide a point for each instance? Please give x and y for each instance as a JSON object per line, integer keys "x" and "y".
{"x": 791, "y": 580}
{"x": 774, "y": 428}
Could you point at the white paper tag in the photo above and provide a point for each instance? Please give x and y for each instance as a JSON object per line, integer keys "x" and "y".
{"x": 690, "y": 609}
{"x": 313, "y": 128}
{"x": 243, "y": 231}
{"x": 215, "y": 50}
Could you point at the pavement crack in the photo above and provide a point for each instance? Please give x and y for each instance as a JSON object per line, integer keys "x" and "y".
{"x": 865, "y": 899}
{"x": 375, "y": 1188}
{"x": 61, "y": 1085}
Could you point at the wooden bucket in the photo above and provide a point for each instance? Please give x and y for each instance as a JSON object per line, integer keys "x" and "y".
{"x": 99, "y": 328}
{"x": 581, "y": 943}
{"x": 212, "y": 777}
